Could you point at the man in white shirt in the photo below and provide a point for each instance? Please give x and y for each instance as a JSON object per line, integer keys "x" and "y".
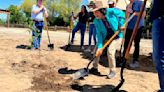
{"x": 38, "y": 13}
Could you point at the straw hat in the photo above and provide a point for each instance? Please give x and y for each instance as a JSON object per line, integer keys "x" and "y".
{"x": 111, "y": 1}
{"x": 99, "y": 4}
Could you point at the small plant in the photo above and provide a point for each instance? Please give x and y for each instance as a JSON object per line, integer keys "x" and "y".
{"x": 32, "y": 27}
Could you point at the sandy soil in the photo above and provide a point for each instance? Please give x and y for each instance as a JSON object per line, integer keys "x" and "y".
{"x": 23, "y": 70}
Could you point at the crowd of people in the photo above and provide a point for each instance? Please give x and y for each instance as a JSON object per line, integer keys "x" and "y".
{"x": 104, "y": 22}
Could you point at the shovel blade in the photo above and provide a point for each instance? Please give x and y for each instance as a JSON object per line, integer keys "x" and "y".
{"x": 81, "y": 73}
{"x": 51, "y": 46}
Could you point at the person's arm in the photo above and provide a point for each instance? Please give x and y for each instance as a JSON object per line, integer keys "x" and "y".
{"x": 75, "y": 17}
{"x": 38, "y": 10}
{"x": 45, "y": 12}
{"x": 127, "y": 13}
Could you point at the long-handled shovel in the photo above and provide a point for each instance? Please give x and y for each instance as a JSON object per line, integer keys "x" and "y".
{"x": 128, "y": 49}
{"x": 83, "y": 72}
{"x": 50, "y": 45}
{"x": 122, "y": 43}
{"x": 69, "y": 30}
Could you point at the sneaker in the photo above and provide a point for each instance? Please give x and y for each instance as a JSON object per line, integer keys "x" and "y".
{"x": 70, "y": 43}
{"x": 93, "y": 70}
{"x": 82, "y": 48}
{"x": 87, "y": 50}
{"x": 111, "y": 75}
{"x": 134, "y": 64}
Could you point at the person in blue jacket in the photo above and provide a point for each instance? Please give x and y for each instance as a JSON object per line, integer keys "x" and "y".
{"x": 107, "y": 22}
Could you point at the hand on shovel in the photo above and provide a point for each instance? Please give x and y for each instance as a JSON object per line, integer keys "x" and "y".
{"x": 99, "y": 52}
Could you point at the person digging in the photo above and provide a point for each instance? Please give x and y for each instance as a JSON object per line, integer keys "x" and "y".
{"x": 107, "y": 22}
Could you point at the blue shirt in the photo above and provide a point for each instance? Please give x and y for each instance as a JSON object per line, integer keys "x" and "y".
{"x": 136, "y": 7}
{"x": 39, "y": 16}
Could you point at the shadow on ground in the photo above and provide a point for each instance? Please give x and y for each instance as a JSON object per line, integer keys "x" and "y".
{"x": 27, "y": 47}
{"x": 95, "y": 88}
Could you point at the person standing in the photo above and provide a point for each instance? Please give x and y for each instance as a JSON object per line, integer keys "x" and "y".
{"x": 83, "y": 17}
{"x": 92, "y": 30}
{"x": 136, "y": 7}
{"x": 38, "y": 13}
{"x": 157, "y": 16}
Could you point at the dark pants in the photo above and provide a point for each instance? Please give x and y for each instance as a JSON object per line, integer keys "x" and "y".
{"x": 158, "y": 49}
{"x": 82, "y": 28}
{"x": 92, "y": 31}
{"x": 136, "y": 42}
{"x": 37, "y": 34}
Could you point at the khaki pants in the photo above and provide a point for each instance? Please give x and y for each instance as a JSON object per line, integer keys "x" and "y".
{"x": 115, "y": 45}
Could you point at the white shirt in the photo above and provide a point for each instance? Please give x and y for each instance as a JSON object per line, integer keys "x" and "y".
{"x": 39, "y": 16}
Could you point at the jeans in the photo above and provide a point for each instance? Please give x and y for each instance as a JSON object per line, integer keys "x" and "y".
{"x": 158, "y": 49}
{"x": 136, "y": 42}
{"x": 37, "y": 35}
{"x": 92, "y": 31}
{"x": 82, "y": 28}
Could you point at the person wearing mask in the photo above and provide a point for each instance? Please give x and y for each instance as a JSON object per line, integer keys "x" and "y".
{"x": 38, "y": 13}
{"x": 83, "y": 18}
{"x": 157, "y": 16}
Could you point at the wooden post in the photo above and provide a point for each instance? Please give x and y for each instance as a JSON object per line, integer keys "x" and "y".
{"x": 8, "y": 18}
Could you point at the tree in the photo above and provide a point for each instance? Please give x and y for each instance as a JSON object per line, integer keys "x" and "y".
{"x": 16, "y": 16}
{"x": 63, "y": 8}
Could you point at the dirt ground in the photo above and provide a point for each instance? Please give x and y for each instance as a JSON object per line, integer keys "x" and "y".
{"x": 23, "y": 70}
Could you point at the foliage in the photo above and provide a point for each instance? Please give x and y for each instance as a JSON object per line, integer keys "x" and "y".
{"x": 63, "y": 8}
{"x": 16, "y": 16}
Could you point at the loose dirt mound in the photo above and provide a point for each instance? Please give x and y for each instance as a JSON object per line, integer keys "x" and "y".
{"x": 52, "y": 81}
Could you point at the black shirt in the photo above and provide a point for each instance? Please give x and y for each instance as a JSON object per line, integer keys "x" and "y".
{"x": 110, "y": 32}
{"x": 83, "y": 18}
{"x": 91, "y": 16}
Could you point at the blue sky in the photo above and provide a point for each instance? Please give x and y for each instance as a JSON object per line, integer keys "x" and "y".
{"x": 4, "y": 4}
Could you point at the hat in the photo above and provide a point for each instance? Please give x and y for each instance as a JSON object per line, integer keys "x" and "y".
{"x": 99, "y": 5}
{"x": 111, "y": 1}
{"x": 91, "y": 3}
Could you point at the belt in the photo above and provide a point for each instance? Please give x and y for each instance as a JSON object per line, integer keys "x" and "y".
{"x": 38, "y": 20}
{"x": 91, "y": 23}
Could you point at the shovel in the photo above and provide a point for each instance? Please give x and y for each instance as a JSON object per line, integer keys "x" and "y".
{"x": 85, "y": 71}
{"x": 50, "y": 45}
{"x": 69, "y": 45}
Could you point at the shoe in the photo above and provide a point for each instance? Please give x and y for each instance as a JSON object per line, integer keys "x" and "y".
{"x": 33, "y": 48}
{"x": 87, "y": 50}
{"x": 134, "y": 64}
{"x": 82, "y": 48}
{"x": 111, "y": 75}
{"x": 70, "y": 43}
{"x": 93, "y": 70}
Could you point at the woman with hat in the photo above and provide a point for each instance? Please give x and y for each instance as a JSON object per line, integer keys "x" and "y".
{"x": 107, "y": 22}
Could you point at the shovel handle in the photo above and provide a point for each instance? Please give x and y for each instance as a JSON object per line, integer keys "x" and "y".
{"x": 115, "y": 34}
